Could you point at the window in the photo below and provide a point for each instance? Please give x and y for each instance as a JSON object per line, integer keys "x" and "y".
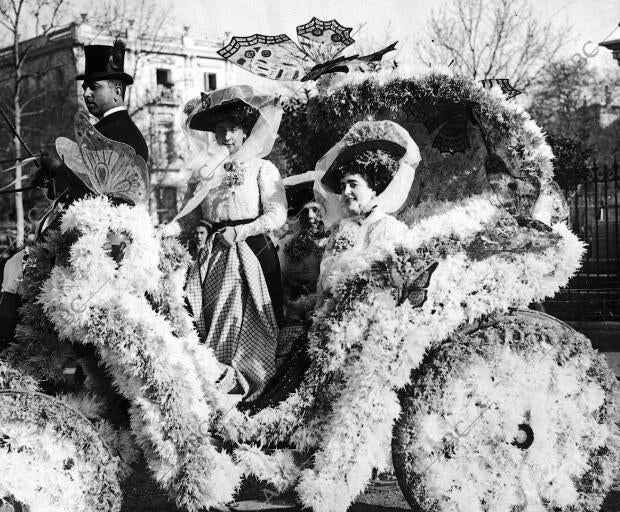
{"x": 164, "y": 77}
{"x": 166, "y": 203}
{"x": 60, "y": 76}
{"x": 210, "y": 82}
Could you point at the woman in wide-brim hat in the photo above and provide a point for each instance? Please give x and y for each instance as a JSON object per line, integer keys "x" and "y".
{"x": 234, "y": 289}
{"x": 364, "y": 178}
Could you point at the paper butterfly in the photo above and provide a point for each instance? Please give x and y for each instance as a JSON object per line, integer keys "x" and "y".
{"x": 105, "y": 166}
{"x": 503, "y": 84}
{"x": 280, "y": 58}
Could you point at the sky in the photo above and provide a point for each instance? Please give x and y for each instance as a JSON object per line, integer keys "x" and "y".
{"x": 387, "y": 20}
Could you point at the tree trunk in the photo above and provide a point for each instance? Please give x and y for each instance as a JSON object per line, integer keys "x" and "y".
{"x": 17, "y": 122}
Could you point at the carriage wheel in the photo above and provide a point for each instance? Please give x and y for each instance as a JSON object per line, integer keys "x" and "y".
{"x": 52, "y": 457}
{"x": 515, "y": 414}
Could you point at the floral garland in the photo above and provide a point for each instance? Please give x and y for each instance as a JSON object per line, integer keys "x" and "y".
{"x": 52, "y": 458}
{"x": 155, "y": 359}
{"x": 168, "y": 299}
{"x": 525, "y": 374}
{"x": 364, "y": 343}
{"x": 357, "y": 335}
{"x": 11, "y": 378}
{"x": 38, "y": 350}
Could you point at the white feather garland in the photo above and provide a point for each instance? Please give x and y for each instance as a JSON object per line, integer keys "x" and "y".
{"x": 374, "y": 348}
{"x": 169, "y": 379}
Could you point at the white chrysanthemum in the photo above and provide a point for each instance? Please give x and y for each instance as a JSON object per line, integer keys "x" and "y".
{"x": 167, "y": 376}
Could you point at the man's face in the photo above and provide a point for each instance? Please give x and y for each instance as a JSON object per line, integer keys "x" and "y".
{"x": 311, "y": 218}
{"x": 100, "y": 96}
{"x": 201, "y": 235}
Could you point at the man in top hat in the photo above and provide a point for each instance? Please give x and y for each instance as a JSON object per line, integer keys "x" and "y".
{"x": 105, "y": 83}
{"x": 104, "y": 86}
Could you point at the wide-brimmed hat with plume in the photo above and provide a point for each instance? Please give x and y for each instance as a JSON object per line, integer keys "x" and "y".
{"x": 367, "y": 145}
{"x": 241, "y": 102}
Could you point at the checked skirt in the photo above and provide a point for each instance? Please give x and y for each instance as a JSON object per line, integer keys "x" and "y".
{"x": 232, "y": 310}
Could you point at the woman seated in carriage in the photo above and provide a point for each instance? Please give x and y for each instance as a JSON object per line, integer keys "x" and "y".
{"x": 369, "y": 171}
{"x": 372, "y": 170}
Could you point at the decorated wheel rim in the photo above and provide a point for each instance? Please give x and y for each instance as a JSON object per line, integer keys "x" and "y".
{"x": 52, "y": 457}
{"x": 515, "y": 414}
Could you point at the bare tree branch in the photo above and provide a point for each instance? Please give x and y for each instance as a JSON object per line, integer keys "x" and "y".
{"x": 146, "y": 20}
{"x": 507, "y": 40}
{"x": 19, "y": 21}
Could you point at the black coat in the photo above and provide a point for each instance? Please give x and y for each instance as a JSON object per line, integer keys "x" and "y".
{"x": 119, "y": 127}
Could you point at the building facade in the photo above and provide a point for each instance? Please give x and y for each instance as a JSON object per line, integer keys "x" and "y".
{"x": 168, "y": 71}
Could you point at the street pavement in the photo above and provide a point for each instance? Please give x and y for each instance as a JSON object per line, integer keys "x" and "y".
{"x": 142, "y": 495}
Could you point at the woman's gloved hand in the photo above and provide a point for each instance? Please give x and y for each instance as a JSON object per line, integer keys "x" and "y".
{"x": 227, "y": 236}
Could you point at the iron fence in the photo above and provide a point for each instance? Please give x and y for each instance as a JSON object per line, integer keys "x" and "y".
{"x": 594, "y": 293}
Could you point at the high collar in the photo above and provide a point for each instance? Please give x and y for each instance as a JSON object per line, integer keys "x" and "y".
{"x": 113, "y": 110}
{"x": 372, "y": 215}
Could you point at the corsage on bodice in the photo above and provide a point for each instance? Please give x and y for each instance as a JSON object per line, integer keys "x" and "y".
{"x": 250, "y": 190}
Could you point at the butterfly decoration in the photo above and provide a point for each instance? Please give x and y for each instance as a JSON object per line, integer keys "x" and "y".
{"x": 105, "y": 166}
{"x": 280, "y": 58}
{"x": 503, "y": 84}
{"x": 448, "y": 118}
{"x": 416, "y": 290}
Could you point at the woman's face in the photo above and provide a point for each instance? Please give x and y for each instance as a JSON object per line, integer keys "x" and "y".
{"x": 229, "y": 134}
{"x": 201, "y": 235}
{"x": 355, "y": 193}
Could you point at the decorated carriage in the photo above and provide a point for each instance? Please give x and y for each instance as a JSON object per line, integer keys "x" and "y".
{"x": 425, "y": 355}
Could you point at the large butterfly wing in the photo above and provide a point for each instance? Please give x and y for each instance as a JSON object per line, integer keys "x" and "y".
{"x": 70, "y": 154}
{"x": 275, "y": 57}
{"x": 323, "y": 40}
{"x": 424, "y": 113}
{"x": 106, "y": 166}
{"x": 450, "y": 119}
{"x": 416, "y": 290}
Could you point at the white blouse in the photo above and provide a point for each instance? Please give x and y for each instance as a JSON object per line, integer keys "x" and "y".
{"x": 348, "y": 246}
{"x": 256, "y": 192}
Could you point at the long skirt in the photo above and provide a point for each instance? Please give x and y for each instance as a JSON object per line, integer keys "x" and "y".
{"x": 230, "y": 301}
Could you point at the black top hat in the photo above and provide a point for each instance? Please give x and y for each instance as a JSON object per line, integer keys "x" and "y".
{"x": 105, "y": 62}
{"x": 207, "y": 118}
{"x": 331, "y": 178}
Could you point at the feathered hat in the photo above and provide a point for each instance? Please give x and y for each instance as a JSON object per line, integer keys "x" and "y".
{"x": 105, "y": 63}
{"x": 241, "y": 100}
{"x": 364, "y": 136}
